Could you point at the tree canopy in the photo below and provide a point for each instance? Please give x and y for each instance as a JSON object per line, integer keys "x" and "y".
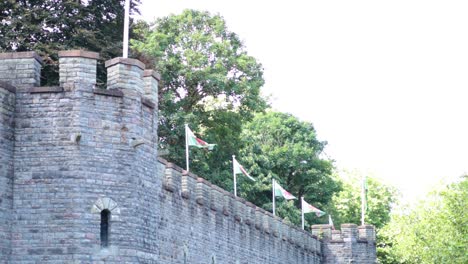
{"x": 279, "y": 146}
{"x": 346, "y": 205}
{"x": 208, "y": 81}
{"x": 47, "y": 26}
{"x": 433, "y": 231}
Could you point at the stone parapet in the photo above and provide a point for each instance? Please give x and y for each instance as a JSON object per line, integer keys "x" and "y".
{"x": 126, "y": 74}
{"x": 77, "y": 67}
{"x": 7, "y": 143}
{"x": 367, "y": 233}
{"x": 243, "y": 213}
{"x": 351, "y": 244}
{"x": 322, "y": 231}
{"x": 20, "y": 69}
{"x": 151, "y": 79}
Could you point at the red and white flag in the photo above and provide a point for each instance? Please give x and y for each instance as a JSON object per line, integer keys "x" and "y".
{"x": 238, "y": 169}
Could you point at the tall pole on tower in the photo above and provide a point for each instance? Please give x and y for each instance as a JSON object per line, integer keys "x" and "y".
{"x": 126, "y": 26}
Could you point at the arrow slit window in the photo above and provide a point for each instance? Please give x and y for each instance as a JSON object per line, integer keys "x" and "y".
{"x": 105, "y": 218}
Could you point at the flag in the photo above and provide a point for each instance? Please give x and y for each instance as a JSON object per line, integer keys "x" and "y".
{"x": 238, "y": 169}
{"x": 192, "y": 140}
{"x": 330, "y": 222}
{"x": 364, "y": 191}
{"x": 279, "y": 191}
{"x": 307, "y": 208}
{"x": 363, "y": 199}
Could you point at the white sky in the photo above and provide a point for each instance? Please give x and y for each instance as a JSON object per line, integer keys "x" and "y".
{"x": 384, "y": 82}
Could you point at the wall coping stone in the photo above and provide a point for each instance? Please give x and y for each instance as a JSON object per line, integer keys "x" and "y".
{"x": 152, "y": 73}
{"x": 348, "y": 226}
{"x": 163, "y": 161}
{"x": 205, "y": 181}
{"x": 78, "y": 53}
{"x": 109, "y": 92}
{"x": 46, "y": 89}
{"x": 249, "y": 204}
{"x": 21, "y": 55}
{"x": 147, "y": 102}
{"x": 7, "y": 86}
{"x": 240, "y": 199}
{"x": 321, "y": 226}
{"x": 189, "y": 174}
{"x": 126, "y": 61}
{"x": 177, "y": 168}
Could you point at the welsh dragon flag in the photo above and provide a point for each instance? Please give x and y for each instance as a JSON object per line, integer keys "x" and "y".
{"x": 192, "y": 140}
{"x": 238, "y": 169}
{"x": 307, "y": 208}
{"x": 279, "y": 191}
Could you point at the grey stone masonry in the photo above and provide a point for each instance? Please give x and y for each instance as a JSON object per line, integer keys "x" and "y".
{"x": 71, "y": 155}
{"x": 352, "y": 244}
{"x": 77, "y": 66}
{"x": 126, "y": 74}
{"x": 20, "y": 69}
{"x": 151, "y": 79}
{"x": 7, "y": 109}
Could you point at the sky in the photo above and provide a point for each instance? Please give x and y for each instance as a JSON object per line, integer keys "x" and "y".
{"x": 385, "y": 83}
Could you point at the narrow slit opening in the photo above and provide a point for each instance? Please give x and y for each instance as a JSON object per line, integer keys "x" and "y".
{"x": 105, "y": 217}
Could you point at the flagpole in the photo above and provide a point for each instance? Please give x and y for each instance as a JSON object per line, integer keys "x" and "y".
{"x": 363, "y": 203}
{"x": 273, "y": 192}
{"x": 234, "y": 173}
{"x": 186, "y": 148}
{"x": 126, "y": 26}
{"x": 302, "y": 211}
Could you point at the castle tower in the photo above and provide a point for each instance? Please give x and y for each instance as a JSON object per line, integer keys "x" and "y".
{"x": 17, "y": 70}
{"x": 82, "y": 160}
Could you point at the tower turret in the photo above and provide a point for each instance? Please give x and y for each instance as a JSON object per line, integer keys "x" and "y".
{"x": 83, "y": 159}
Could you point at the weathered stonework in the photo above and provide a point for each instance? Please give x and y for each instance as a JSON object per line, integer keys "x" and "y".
{"x": 72, "y": 151}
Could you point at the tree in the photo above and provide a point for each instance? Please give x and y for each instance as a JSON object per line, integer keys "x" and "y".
{"x": 280, "y": 146}
{"x": 435, "y": 230}
{"x": 346, "y": 207}
{"x": 208, "y": 81}
{"x": 347, "y": 203}
{"x": 47, "y": 26}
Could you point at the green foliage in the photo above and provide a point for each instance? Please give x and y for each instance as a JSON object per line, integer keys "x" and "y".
{"x": 47, "y": 26}
{"x": 435, "y": 231}
{"x": 346, "y": 207}
{"x": 209, "y": 82}
{"x": 280, "y": 146}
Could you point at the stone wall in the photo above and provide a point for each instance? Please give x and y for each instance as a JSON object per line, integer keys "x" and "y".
{"x": 211, "y": 222}
{"x": 7, "y": 108}
{"x": 69, "y": 152}
{"x": 17, "y": 70}
{"x": 351, "y": 244}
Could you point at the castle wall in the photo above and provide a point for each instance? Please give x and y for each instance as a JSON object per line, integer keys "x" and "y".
{"x": 351, "y": 244}
{"x": 212, "y": 223}
{"x": 47, "y": 161}
{"x": 73, "y": 151}
{"x": 17, "y": 70}
{"x": 7, "y": 108}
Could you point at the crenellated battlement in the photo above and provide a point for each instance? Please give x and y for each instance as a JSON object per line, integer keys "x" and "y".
{"x": 22, "y": 71}
{"x": 73, "y": 152}
{"x": 352, "y": 244}
{"x": 348, "y": 233}
{"x": 191, "y": 187}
